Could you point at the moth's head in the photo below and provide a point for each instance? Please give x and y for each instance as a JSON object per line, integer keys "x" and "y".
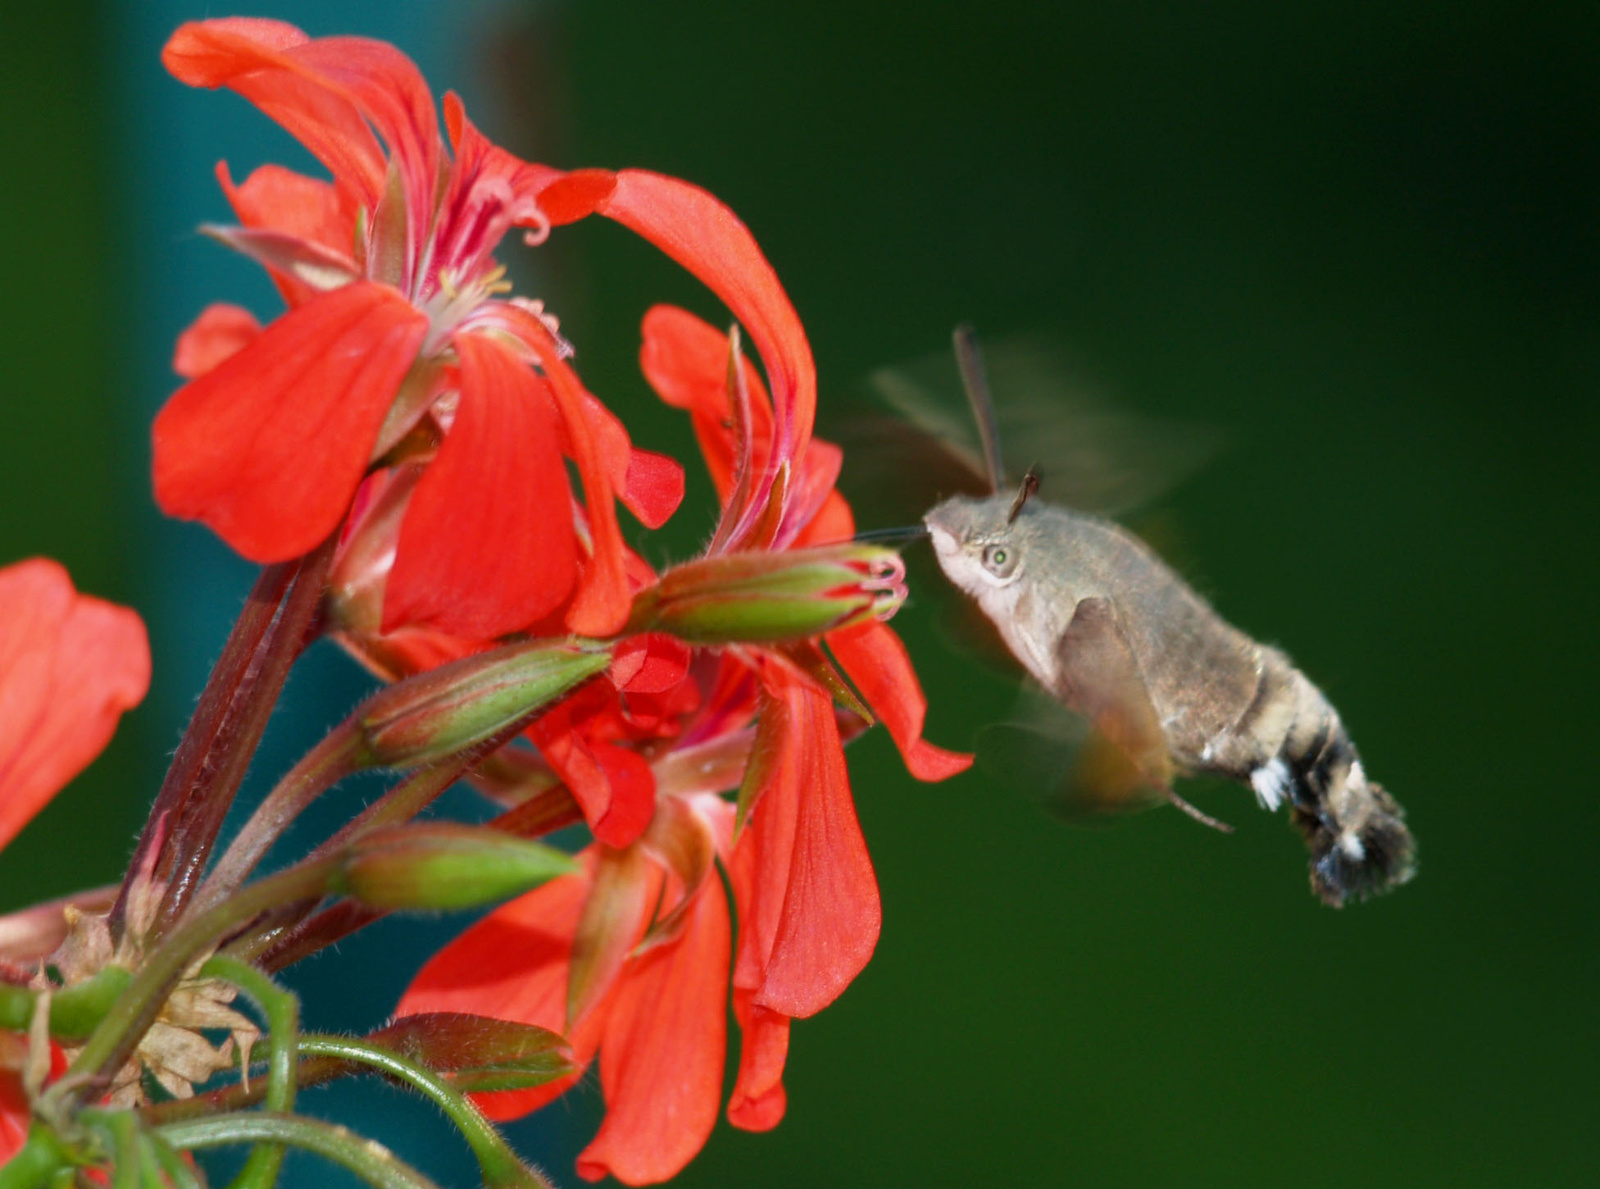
{"x": 982, "y": 542}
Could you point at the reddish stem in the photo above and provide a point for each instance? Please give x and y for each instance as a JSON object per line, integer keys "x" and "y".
{"x": 223, "y": 734}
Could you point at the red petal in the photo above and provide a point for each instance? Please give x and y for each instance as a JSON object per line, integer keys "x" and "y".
{"x": 649, "y": 664}
{"x": 251, "y": 57}
{"x": 487, "y": 546}
{"x": 877, "y": 662}
{"x": 512, "y": 965}
{"x": 576, "y": 195}
{"x": 626, "y": 888}
{"x": 269, "y": 447}
{"x": 654, "y": 487}
{"x": 633, "y": 794}
{"x": 759, "y": 1099}
{"x": 831, "y": 914}
{"x": 277, "y": 199}
{"x": 685, "y": 360}
{"x": 69, "y": 666}
{"x": 708, "y": 239}
{"x": 15, "y": 1115}
{"x": 325, "y": 92}
{"x": 661, "y": 1055}
{"x": 603, "y": 600}
{"x": 221, "y": 330}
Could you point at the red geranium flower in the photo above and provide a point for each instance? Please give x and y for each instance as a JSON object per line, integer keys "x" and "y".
{"x": 399, "y": 336}
{"x": 631, "y": 959}
{"x": 69, "y": 666}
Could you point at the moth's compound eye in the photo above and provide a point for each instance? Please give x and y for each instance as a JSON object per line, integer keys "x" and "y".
{"x": 999, "y": 560}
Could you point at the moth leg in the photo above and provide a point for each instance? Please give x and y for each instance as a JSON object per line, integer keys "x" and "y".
{"x": 1098, "y": 676}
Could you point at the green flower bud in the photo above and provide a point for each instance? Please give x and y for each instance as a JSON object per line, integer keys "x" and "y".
{"x": 456, "y": 706}
{"x": 444, "y": 865}
{"x": 761, "y": 597}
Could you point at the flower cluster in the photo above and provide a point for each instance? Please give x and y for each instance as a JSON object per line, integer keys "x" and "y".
{"x": 395, "y": 447}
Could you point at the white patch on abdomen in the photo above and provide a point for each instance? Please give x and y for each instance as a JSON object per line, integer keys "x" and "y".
{"x": 1271, "y": 783}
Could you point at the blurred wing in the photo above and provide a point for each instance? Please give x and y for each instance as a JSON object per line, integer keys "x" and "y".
{"x": 1047, "y": 753}
{"x": 1091, "y": 455}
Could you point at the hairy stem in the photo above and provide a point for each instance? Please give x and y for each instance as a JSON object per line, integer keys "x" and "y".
{"x": 222, "y": 737}
{"x": 498, "y": 1163}
{"x": 372, "y": 1162}
{"x": 282, "y": 1011}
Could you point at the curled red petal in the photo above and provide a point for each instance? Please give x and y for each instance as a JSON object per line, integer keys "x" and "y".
{"x": 269, "y": 447}
{"x": 877, "y": 662}
{"x": 708, "y": 239}
{"x": 487, "y": 546}
{"x": 662, "y": 1052}
{"x": 685, "y": 359}
{"x": 603, "y": 599}
{"x": 250, "y": 56}
{"x": 277, "y": 199}
{"x": 221, "y": 330}
{"x": 69, "y": 666}
{"x": 831, "y": 914}
{"x": 759, "y": 1100}
{"x": 569, "y": 197}
{"x": 512, "y": 965}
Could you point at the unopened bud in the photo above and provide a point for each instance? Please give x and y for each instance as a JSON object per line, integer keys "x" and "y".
{"x": 761, "y": 597}
{"x": 443, "y": 866}
{"x": 458, "y": 705}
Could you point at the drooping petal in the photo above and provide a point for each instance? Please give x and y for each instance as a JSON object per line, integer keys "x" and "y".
{"x": 759, "y": 1100}
{"x": 878, "y": 663}
{"x": 708, "y": 239}
{"x": 250, "y": 56}
{"x": 273, "y": 198}
{"x": 326, "y": 92}
{"x": 301, "y": 209}
{"x": 624, "y": 893}
{"x": 487, "y": 546}
{"x": 69, "y": 666}
{"x": 828, "y": 924}
{"x": 612, "y": 785}
{"x": 661, "y": 1055}
{"x": 512, "y": 965}
{"x": 221, "y": 330}
{"x": 603, "y": 599}
{"x": 269, "y": 446}
{"x": 685, "y": 359}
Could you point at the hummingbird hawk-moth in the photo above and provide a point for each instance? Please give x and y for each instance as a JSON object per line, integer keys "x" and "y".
{"x": 1113, "y": 633}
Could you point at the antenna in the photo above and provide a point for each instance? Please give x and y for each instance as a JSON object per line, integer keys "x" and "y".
{"x": 1030, "y": 484}
{"x": 976, "y": 381}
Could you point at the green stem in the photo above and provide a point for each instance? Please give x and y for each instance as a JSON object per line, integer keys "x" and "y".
{"x": 74, "y": 1011}
{"x": 282, "y": 1011}
{"x": 321, "y": 768}
{"x": 118, "y": 1034}
{"x": 175, "y": 1166}
{"x": 370, "y": 1161}
{"x": 499, "y": 1164}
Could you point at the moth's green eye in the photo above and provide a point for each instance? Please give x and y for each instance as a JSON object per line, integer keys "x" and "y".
{"x": 999, "y": 561}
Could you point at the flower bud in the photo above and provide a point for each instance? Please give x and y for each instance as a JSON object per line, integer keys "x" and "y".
{"x": 458, "y": 705}
{"x": 443, "y": 866}
{"x": 761, "y": 597}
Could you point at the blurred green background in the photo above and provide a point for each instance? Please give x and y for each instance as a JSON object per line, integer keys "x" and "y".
{"x": 1360, "y": 239}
